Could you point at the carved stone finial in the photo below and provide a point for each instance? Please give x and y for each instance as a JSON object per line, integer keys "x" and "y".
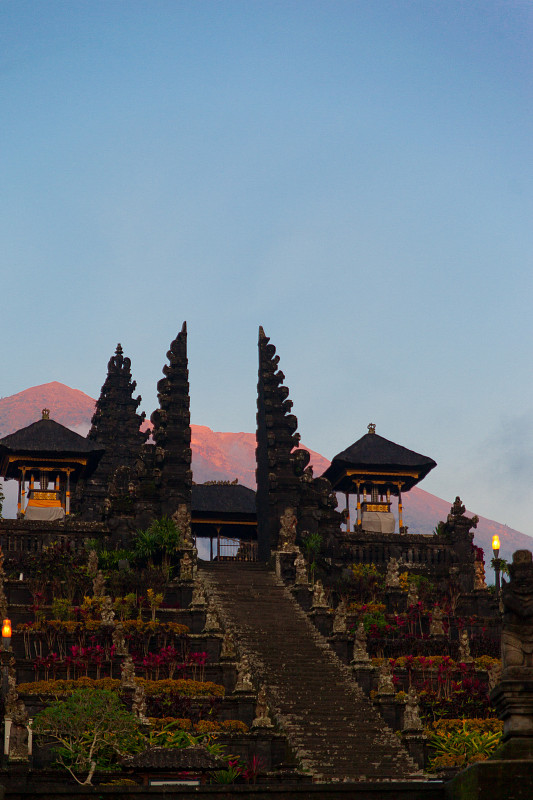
{"x": 119, "y": 351}
{"x": 372, "y": 427}
{"x": 45, "y": 413}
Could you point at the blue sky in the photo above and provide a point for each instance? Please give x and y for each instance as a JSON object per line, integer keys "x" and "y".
{"x": 354, "y": 176}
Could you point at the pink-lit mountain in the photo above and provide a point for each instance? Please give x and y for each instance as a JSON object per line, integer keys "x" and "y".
{"x": 226, "y": 456}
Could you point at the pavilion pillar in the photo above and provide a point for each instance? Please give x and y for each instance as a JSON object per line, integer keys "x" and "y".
{"x": 347, "y": 512}
{"x": 19, "y": 496}
{"x": 358, "y": 507}
{"x": 23, "y": 493}
{"x": 67, "y": 493}
{"x": 218, "y": 542}
{"x": 400, "y": 507}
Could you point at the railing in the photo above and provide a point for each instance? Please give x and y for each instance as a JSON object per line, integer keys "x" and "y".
{"x": 236, "y": 550}
{"x": 31, "y": 537}
{"x": 417, "y": 550}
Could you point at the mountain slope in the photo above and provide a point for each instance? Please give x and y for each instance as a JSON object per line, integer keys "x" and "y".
{"x": 226, "y": 456}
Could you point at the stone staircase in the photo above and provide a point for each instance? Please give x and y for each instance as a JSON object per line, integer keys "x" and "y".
{"x": 333, "y": 729}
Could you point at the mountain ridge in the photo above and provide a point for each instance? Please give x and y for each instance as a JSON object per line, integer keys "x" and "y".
{"x": 225, "y": 455}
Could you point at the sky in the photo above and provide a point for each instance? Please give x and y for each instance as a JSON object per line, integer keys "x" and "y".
{"x": 354, "y": 176}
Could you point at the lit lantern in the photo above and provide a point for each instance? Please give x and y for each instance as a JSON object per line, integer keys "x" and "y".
{"x": 496, "y": 545}
{"x": 6, "y": 634}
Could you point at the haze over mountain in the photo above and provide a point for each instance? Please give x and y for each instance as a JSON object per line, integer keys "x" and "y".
{"x": 226, "y": 456}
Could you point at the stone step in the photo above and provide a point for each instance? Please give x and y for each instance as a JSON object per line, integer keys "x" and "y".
{"x": 333, "y": 728}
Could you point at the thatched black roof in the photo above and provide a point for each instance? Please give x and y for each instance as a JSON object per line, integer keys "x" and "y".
{"x": 48, "y": 440}
{"x": 48, "y": 436}
{"x": 226, "y": 498}
{"x": 381, "y": 460}
{"x": 192, "y": 759}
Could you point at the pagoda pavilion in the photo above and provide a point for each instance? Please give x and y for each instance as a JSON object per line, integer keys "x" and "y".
{"x": 47, "y": 459}
{"x": 374, "y": 469}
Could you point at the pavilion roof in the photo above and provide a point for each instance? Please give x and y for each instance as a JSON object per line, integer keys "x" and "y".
{"x": 228, "y": 498}
{"x": 379, "y": 459}
{"x": 48, "y": 437}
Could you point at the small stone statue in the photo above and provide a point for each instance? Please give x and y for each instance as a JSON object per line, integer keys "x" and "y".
{"x": 494, "y": 675}
{"x": 436, "y": 627}
{"x": 106, "y": 612}
{"x": 92, "y": 564}
{"x": 119, "y": 640}
{"x": 517, "y": 632}
{"x": 186, "y": 567}
{"x": 339, "y": 620}
{"x": 244, "y": 676}
{"x": 319, "y": 596}
{"x": 228, "y": 651}
{"x": 99, "y": 584}
{"x": 287, "y": 533}
{"x": 198, "y": 595}
{"x": 392, "y": 579}
{"x": 479, "y": 575}
{"x": 211, "y": 620}
{"x": 385, "y": 682}
{"x": 262, "y": 716}
{"x": 18, "y": 734}
{"x": 411, "y": 715}
{"x": 360, "y": 653}
{"x": 301, "y": 570}
{"x": 127, "y": 674}
{"x": 182, "y": 521}
{"x": 139, "y": 704}
{"x": 464, "y": 647}
{"x": 412, "y": 595}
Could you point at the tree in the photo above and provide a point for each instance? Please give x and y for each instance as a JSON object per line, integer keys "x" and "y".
{"x": 90, "y": 730}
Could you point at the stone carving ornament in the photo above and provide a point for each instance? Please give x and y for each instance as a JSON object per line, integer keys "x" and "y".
{"x": 340, "y": 618}
{"x": 517, "y": 599}
{"x": 464, "y": 647}
{"x": 211, "y": 620}
{"x": 228, "y": 650}
{"x": 385, "y": 682}
{"x": 182, "y": 521}
{"x": 287, "y": 533}
{"x": 411, "y": 716}
{"x": 262, "y": 715}
{"x": 99, "y": 584}
{"x": 436, "y": 627}
{"x": 107, "y": 613}
{"x": 186, "y": 567}
{"x": 301, "y": 570}
{"x": 392, "y": 580}
{"x": 360, "y": 653}
{"x": 127, "y": 674}
{"x": 119, "y": 640}
{"x": 198, "y": 595}
{"x": 319, "y": 596}
{"x": 244, "y": 676}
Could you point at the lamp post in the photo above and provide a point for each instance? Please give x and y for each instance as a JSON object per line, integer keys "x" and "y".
{"x": 496, "y": 551}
